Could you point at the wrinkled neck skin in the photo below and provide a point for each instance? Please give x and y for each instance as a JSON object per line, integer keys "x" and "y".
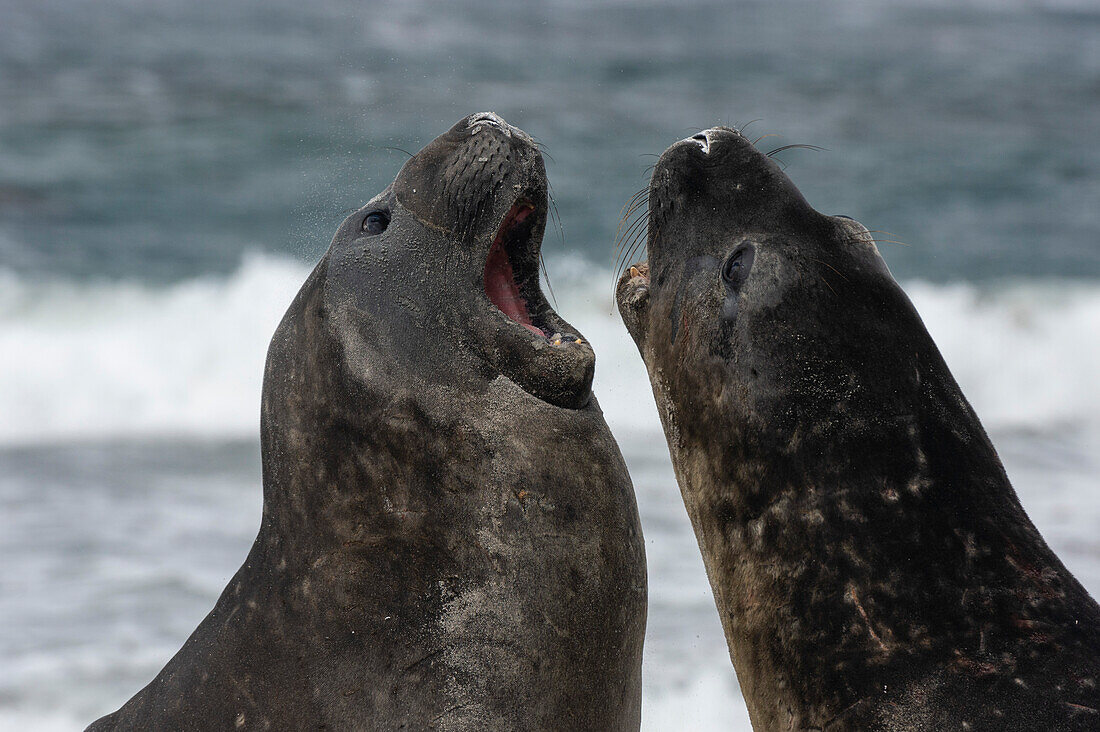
{"x": 492, "y": 531}
{"x": 834, "y": 585}
{"x": 339, "y": 382}
{"x": 450, "y": 539}
{"x": 393, "y": 346}
{"x": 439, "y": 473}
{"x": 356, "y": 367}
{"x": 870, "y": 560}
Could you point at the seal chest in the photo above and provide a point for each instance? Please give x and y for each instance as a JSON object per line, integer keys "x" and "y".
{"x": 425, "y": 560}
{"x": 871, "y": 564}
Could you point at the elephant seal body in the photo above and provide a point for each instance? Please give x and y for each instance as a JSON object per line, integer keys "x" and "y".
{"x": 450, "y": 538}
{"x": 871, "y": 563}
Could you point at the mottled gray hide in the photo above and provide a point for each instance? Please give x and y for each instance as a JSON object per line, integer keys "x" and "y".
{"x": 871, "y": 563}
{"x": 450, "y": 538}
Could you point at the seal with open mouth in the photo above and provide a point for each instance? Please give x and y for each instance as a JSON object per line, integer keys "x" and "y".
{"x": 450, "y": 538}
{"x": 871, "y": 563}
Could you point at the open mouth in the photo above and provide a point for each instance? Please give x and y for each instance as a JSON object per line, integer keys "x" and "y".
{"x": 632, "y": 289}
{"x": 632, "y": 299}
{"x": 511, "y": 271}
{"x": 529, "y": 342}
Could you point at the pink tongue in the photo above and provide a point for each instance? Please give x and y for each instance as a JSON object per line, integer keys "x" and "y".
{"x": 501, "y": 288}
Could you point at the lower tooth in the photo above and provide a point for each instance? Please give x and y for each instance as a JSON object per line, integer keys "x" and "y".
{"x": 567, "y": 338}
{"x": 558, "y": 339}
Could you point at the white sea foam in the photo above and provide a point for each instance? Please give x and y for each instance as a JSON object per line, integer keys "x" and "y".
{"x": 1025, "y": 354}
{"x": 110, "y": 359}
{"x": 85, "y": 361}
{"x": 97, "y": 360}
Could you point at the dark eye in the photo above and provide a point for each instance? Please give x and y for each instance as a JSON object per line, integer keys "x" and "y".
{"x": 375, "y": 223}
{"x": 737, "y": 265}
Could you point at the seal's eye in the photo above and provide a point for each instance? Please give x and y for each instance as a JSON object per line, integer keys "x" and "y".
{"x": 737, "y": 265}
{"x": 375, "y": 223}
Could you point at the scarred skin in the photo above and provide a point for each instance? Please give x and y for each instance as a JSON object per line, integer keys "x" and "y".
{"x": 450, "y": 538}
{"x": 871, "y": 563}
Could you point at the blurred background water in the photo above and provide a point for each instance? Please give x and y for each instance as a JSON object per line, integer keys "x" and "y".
{"x": 169, "y": 171}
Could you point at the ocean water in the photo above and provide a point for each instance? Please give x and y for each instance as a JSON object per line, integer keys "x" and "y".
{"x": 170, "y": 171}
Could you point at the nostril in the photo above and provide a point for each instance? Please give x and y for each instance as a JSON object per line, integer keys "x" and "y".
{"x": 699, "y": 136}
{"x": 703, "y": 141}
{"x": 476, "y": 121}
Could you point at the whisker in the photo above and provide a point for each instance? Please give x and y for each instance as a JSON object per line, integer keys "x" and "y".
{"x": 636, "y": 201}
{"x": 636, "y": 231}
{"x": 618, "y": 270}
{"x": 632, "y": 231}
{"x": 742, "y": 128}
{"x": 819, "y": 261}
{"x": 542, "y": 147}
{"x": 796, "y": 145}
{"x": 638, "y": 194}
{"x": 641, "y": 196}
{"x": 397, "y": 149}
{"x": 620, "y": 256}
{"x": 554, "y": 214}
{"x": 633, "y": 226}
{"x": 635, "y": 237}
{"x": 546, "y": 278}
{"x": 634, "y": 204}
{"x": 886, "y": 241}
{"x": 553, "y": 209}
{"x": 557, "y": 219}
{"x": 629, "y": 219}
{"x": 639, "y": 242}
{"x": 640, "y": 200}
{"x": 629, "y": 246}
{"x": 618, "y": 273}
